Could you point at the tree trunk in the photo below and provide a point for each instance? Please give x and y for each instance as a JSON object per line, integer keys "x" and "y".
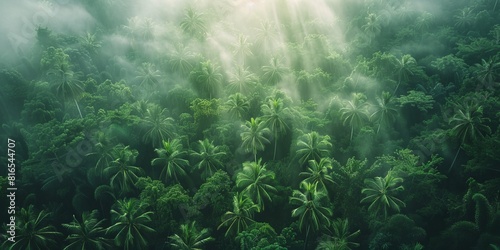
{"x": 275, "y": 143}
{"x": 307, "y": 236}
{"x": 78, "y": 107}
{"x": 454, "y": 159}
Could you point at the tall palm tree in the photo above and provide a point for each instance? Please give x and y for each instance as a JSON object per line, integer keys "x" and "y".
{"x": 384, "y": 111}
{"x": 354, "y": 113}
{"x": 193, "y": 24}
{"x": 339, "y": 237}
{"x": 318, "y": 173}
{"x": 90, "y": 43}
{"x": 468, "y": 125}
{"x": 242, "y": 48}
{"x": 254, "y": 136}
{"x": 274, "y": 119}
{"x": 405, "y": 67}
{"x": 158, "y": 126}
{"x": 130, "y": 224}
{"x": 312, "y": 146}
{"x": 372, "y": 25}
{"x": 171, "y": 159}
{"x": 208, "y": 77}
{"x": 87, "y": 233}
{"x": 147, "y": 74}
{"x": 488, "y": 71}
{"x": 241, "y": 79}
{"x": 310, "y": 208}
{"x": 190, "y": 238}
{"x": 209, "y": 158}
{"x": 67, "y": 85}
{"x": 274, "y": 72}
{"x": 104, "y": 151}
{"x": 241, "y": 216}
{"x": 32, "y": 231}
{"x": 379, "y": 193}
{"x": 181, "y": 60}
{"x": 121, "y": 170}
{"x": 237, "y": 106}
{"x": 255, "y": 179}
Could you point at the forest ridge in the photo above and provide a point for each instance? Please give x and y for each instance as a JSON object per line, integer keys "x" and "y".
{"x": 251, "y": 124}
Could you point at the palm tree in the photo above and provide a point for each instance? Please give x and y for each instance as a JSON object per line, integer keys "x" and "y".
{"x": 339, "y": 238}
{"x": 242, "y": 48}
{"x": 312, "y": 146}
{"x": 372, "y": 25}
{"x": 354, "y": 113}
{"x": 190, "y": 238}
{"x": 209, "y": 158}
{"x": 67, "y": 86}
{"x": 384, "y": 112}
{"x": 193, "y": 24}
{"x": 465, "y": 17}
{"x": 181, "y": 59}
{"x": 171, "y": 159}
{"x": 274, "y": 72}
{"x": 274, "y": 119}
{"x": 158, "y": 126}
{"x": 130, "y": 224}
{"x": 237, "y": 106}
{"x": 379, "y": 193}
{"x": 255, "y": 179}
{"x": 148, "y": 74}
{"x": 241, "y": 216}
{"x": 310, "y": 208}
{"x": 241, "y": 79}
{"x": 468, "y": 125}
{"x": 121, "y": 170}
{"x": 87, "y": 234}
{"x": 254, "y": 136}
{"x": 208, "y": 77}
{"x": 104, "y": 151}
{"x": 90, "y": 43}
{"x": 32, "y": 231}
{"x": 318, "y": 173}
{"x": 405, "y": 67}
{"x": 488, "y": 71}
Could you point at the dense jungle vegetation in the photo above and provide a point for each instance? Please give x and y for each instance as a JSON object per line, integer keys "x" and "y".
{"x": 252, "y": 124}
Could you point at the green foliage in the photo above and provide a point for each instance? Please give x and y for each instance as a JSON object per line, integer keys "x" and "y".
{"x": 206, "y": 79}
{"x": 87, "y": 233}
{"x": 214, "y": 195}
{"x": 241, "y": 216}
{"x": 311, "y": 208}
{"x": 208, "y": 157}
{"x": 274, "y": 118}
{"x": 171, "y": 158}
{"x": 237, "y": 106}
{"x": 416, "y": 99}
{"x": 318, "y": 173}
{"x": 398, "y": 232}
{"x": 193, "y": 24}
{"x": 130, "y": 224}
{"x": 190, "y": 238}
{"x": 254, "y": 180}
{"x": 254, "y": 136}
{"x": 339, "y": 237}
{"x": 273, "y": 72}
{"x": 354, "y": 113}
{"x": 32, "y": 230}
{"x": 312, "y": 146}
{"x": 259, "y": 236}
{"x": 158, "y": 126}
{"x": 484, "y": 212}
{"x": 205, "y": 112}
{"x": 379, "y": 193}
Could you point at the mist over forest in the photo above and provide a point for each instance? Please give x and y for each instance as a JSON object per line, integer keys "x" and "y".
{"x": 250, "y": 124}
